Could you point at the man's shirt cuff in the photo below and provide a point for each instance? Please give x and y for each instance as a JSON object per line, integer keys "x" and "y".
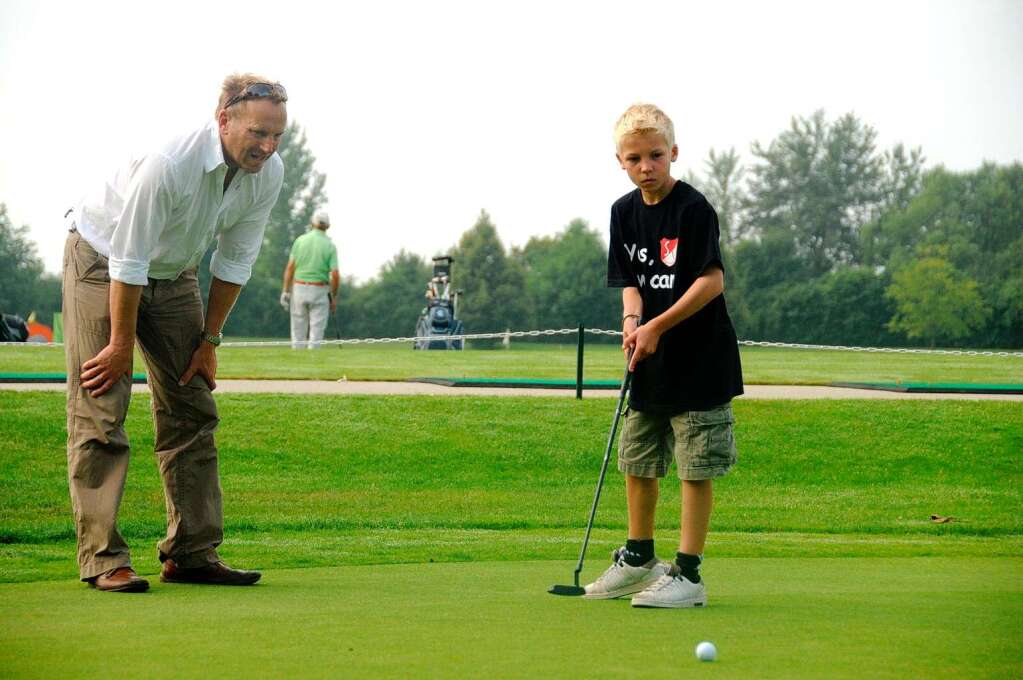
{"x": 232, "y": 272}
{"x": 133, "y": 272}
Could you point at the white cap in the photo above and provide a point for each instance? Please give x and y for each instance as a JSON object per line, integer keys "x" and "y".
{"x": 321, "y": 217}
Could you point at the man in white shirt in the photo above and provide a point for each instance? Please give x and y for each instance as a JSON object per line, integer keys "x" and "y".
{"x": 130, "y": 276}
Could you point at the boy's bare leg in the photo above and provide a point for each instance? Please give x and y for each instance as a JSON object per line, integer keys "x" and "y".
{"x": 686, "y": 588}
{"x": 641, "y": 495}
{"x": 697, "y": 502}
{"x": 635, "y": 566}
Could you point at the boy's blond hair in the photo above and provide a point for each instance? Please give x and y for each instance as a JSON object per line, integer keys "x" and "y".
{"x": 640, "y": 118}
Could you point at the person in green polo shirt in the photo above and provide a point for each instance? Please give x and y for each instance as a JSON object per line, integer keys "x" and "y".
{"x": 311, "y": 281}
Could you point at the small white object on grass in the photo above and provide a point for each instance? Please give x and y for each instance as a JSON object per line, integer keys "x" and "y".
{"x": 706, "y": 651}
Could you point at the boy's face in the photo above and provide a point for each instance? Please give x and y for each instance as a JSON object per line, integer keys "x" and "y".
{"x": 646, "y": 158}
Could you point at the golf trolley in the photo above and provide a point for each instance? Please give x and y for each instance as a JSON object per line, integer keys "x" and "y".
{"x": 438, "y": 320}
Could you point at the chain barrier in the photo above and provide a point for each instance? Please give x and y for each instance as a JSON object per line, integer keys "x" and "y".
{"x": 881, "y": 350}
{"x": 573, "y": 331}
{"x": 31, "y": 344}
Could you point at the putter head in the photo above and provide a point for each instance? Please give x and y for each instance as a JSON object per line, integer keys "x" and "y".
{"x": 569, "y": 591}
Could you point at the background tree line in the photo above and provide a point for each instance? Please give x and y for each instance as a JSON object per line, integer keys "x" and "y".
{"x": 834, "y": 240}
{"x": 827, "y": 238}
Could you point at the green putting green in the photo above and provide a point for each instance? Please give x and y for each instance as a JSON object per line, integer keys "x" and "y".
{"x": 925, "y": 387}
{"x": 787, "y": 618}
{"x": 958, "y": 388}
{"x": 521, "y": 382}
{"x": 52, "y": 377}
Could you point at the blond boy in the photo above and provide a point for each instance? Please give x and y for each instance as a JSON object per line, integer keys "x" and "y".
{"x": 664, "y": 255}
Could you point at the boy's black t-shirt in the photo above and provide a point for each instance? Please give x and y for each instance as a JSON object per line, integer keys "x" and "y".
{"x": 661, "y": 250}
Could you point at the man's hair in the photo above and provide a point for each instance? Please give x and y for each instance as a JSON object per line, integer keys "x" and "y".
{"x": 640, "y": 118}
{"x": 235, "y": 83}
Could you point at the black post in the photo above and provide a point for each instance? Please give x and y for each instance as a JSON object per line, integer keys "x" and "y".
{"x": 579, "y": 366}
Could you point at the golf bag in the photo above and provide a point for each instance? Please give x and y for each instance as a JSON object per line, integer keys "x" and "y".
{"x": 12, "y": 328}
{"x": 438, "y": 320}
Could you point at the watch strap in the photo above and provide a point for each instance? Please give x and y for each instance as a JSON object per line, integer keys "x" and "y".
{"x": 214, "y": 340}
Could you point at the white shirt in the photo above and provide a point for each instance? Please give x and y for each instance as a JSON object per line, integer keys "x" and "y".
{"x": 159, "y": 214}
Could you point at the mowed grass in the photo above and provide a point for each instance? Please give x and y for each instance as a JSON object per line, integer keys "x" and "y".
{"x": 387, "y": 478}
{"x": 413, "y": 536}
{"x": 761, "y": 365}
{"x": 770, "y": 618}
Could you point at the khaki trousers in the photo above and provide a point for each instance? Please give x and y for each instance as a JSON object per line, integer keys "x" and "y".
{"x": 170, "y": 321}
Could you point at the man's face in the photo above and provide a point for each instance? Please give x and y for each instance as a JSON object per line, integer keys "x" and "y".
{"x": 646, "y": 158}
{"x": 250, "y": 132}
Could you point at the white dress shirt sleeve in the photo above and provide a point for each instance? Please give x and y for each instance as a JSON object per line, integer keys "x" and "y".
{"x": 238, "y": 246}
{"x": 147, "y": 207}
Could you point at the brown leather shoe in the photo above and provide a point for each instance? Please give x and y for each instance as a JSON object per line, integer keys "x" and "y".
{"x": 216, "y": 574}
{"x": 120, "y": 580}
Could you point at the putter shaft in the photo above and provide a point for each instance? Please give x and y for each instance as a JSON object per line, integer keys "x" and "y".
{"x": 626, "y": 381}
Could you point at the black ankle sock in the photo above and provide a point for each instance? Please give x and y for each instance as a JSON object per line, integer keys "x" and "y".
{"x": 638, "y": 553}
{"x": 689, "y": 565}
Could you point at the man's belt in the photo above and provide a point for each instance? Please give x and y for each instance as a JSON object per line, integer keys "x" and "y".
{"x": 311, "y": 283}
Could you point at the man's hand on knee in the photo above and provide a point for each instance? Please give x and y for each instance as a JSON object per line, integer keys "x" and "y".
{"x": 203, "y": 364}
{"x": 102, "y": 372}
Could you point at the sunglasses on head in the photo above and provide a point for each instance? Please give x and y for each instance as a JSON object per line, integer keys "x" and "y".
{"x": 259, "y": 91}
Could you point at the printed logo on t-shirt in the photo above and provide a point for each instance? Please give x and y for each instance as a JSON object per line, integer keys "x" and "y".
{"x": 669, "y": 249}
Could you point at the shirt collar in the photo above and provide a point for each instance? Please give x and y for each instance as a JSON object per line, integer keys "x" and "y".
{"x": 214, "y": 156}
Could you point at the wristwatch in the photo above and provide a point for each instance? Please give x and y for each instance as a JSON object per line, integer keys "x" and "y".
{"x": 214, "y": 340}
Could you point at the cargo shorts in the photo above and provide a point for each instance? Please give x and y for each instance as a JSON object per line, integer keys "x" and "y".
{"x": 702, "y": 443}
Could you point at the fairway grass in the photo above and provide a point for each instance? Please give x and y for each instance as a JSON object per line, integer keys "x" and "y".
{"x": 770, "y": 618}
{"x": 319, "y": 466}
{"x": 761, "y": 365}
{"x": 350, "y": 464}
{"x": 416, "y": 536}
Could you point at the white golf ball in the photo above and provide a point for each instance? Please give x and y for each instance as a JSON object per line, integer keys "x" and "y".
{"x": 706, "y": 651}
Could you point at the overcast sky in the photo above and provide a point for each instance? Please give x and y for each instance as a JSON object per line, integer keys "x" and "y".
{"x": 423, "y": 113}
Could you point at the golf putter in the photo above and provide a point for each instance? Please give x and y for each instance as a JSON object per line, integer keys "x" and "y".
{"x": 577, "y": 590}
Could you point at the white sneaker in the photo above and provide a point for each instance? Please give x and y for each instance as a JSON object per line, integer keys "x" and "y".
{"x": 621, "y": 579}
{"x": 673, "y": 592}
